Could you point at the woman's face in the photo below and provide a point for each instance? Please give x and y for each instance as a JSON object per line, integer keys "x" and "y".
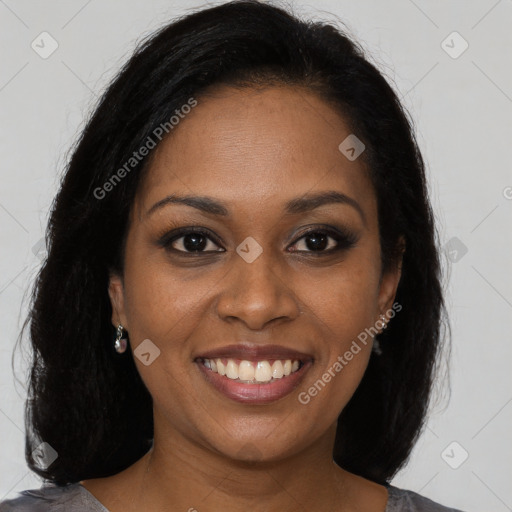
{"x": 254, "y": 287}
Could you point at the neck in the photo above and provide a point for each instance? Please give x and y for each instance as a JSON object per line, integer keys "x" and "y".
{"x": 178, "y": 471}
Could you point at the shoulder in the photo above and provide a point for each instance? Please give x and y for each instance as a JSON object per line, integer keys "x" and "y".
{"x": 69, "y": 498}
{"x": 401, "y": 500}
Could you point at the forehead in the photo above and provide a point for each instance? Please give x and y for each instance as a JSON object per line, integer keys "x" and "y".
{"x": 261, "y": 145}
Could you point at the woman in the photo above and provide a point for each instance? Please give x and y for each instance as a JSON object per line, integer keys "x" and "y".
{"x": 241, "y": 304}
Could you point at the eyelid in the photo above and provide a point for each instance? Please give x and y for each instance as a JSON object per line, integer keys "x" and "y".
{"x": 345, "y": 238}
{"x": 169, "y": 237}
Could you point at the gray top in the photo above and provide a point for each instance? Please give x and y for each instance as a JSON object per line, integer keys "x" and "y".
{"x": 76, "y": 498}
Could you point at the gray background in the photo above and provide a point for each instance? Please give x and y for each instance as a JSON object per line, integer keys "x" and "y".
{"x": 462, "y": 105}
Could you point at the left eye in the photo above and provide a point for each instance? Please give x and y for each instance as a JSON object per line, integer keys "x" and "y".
{"x": 318, "y": 241}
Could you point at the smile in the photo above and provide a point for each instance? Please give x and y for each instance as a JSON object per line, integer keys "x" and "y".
{"x": 253, "y": 372}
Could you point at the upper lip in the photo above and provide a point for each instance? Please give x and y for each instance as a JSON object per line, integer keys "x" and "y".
{"x": 251, "y": 351}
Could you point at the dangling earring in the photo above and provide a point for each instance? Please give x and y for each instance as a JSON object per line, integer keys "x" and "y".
{"x": 376, "y": 344}
{"x": 120, "y": 343}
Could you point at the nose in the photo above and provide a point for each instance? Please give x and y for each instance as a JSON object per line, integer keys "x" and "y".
{"x": 257, "y": 293}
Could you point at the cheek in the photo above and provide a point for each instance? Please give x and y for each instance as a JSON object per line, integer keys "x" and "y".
{"x": 164, "y": 310}
{"x": 343, "y": 311}
{"x": 160, "y": 304}
{"x": 344, "y": 299}
{"x": 343, "y": 305}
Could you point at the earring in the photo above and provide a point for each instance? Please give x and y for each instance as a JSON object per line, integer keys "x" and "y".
{"x": 120, "y": 343}
{"x": 376, "y": 344}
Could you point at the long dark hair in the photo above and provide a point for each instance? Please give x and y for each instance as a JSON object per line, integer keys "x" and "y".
{"x": 89, "y": 403}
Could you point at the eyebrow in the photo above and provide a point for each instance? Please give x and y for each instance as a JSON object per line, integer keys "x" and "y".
{"x": 303, "y": 204}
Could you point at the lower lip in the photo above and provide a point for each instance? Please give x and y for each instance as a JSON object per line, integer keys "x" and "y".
{"x": 255, "y": 393}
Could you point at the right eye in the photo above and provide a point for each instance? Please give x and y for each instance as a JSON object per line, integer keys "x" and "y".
{"x": 190, "y": 241}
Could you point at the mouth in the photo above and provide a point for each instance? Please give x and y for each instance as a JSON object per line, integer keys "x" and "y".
{"x": 254, "y": 374}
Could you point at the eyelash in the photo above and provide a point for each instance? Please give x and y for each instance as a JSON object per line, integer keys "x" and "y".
{"x": 345, "y": 240}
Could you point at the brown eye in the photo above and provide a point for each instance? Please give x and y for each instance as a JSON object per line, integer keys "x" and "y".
{"x": 325, "y": 241}
{"x": 190, "y": 241}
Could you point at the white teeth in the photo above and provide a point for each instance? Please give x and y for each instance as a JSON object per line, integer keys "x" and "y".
{"x": 277, "y": 370}
{"x": 221, "y": 369}
{"x": 253, "y": 372}
{"x": 246, "y": 371}
{"x": 263, "y": 373}
{"x": 231, "y": 369}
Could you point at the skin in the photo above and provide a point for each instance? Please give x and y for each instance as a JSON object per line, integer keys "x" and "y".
{"x": 254, "y": 150}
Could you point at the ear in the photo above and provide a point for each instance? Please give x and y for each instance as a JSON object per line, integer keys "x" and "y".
{"x": 116, "y": 294}
{"x": 390, "y": 279}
